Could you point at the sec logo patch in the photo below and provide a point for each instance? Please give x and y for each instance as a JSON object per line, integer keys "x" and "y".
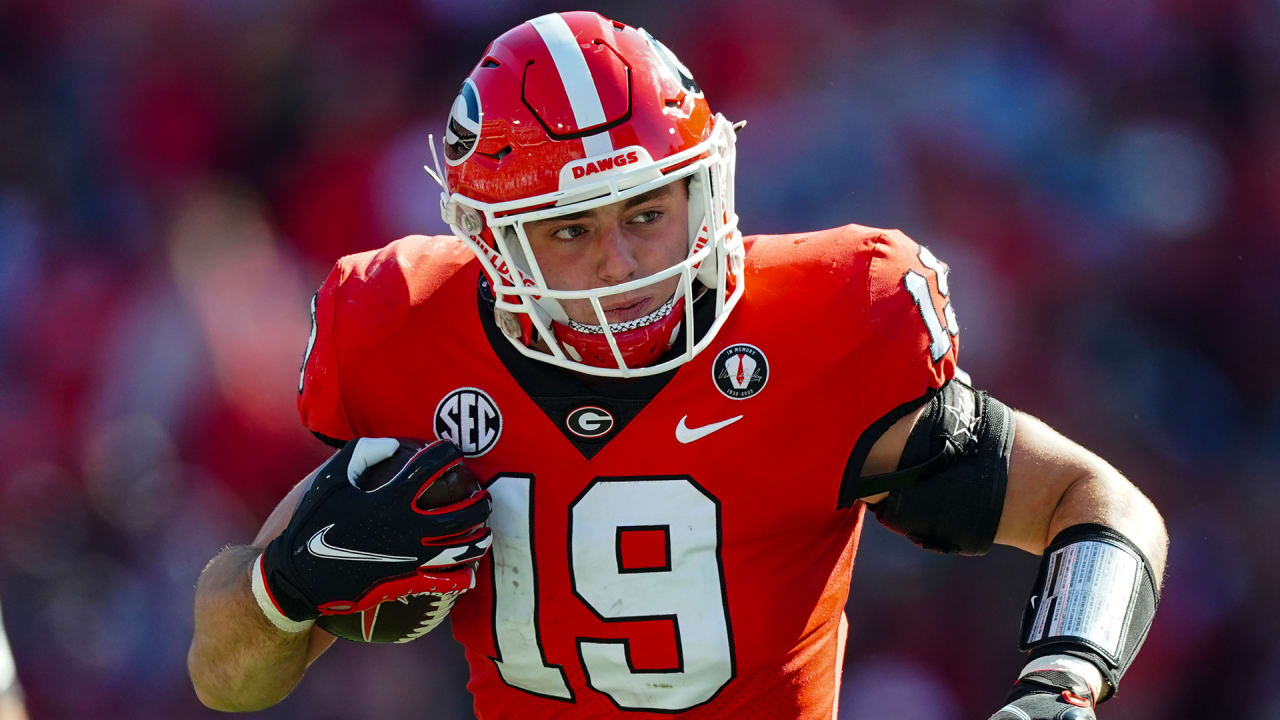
{"x": 471, "y": 419}
{"x": 740, "y": 371}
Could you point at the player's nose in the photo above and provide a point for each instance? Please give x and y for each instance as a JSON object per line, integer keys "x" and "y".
{"x": 617, "y": 260}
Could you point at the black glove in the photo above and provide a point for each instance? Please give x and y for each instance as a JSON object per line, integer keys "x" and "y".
{"x": 1048, "y": 695}
{"x": 347, "y": 549}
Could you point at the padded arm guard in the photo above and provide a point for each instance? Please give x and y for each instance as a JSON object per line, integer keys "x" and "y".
{"x": 949, "y": 491}
{"x": 1094, "y": 598}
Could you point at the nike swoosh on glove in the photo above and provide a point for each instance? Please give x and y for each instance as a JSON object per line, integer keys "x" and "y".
{"x": 347, "y": 549}
{"x": 1048, "y": 695}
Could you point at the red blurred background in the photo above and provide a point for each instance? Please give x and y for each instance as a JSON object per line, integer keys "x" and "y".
{"x": 177, "y": 176}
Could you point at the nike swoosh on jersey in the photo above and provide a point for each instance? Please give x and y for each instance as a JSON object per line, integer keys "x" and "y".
{"x": 318, "y": 547}
{"x": 687, "y": 434}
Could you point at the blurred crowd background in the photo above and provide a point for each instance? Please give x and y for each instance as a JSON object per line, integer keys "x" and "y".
{"x": 176, "y": 176}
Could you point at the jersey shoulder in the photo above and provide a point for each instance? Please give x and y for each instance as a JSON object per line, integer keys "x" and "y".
{"x": 369, "y": 300}
{"x": 912, "y": 338}
{"x": 908, "y": 295}
{"x": 840, "y": 252}
{"x": 877, "y": 303}
{"x": 373, "y": 292}
{"x": 853, "y": 269}
{"x": 841, "y": 258}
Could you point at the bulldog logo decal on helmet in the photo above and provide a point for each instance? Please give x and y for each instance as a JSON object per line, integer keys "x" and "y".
{"x": 675, "y": 67}
{"x": 463, "y": 129}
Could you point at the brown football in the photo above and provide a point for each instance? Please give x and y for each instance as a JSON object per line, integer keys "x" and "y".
{"x": 394, "y": 621}
{"x": 409, "y": 618}
{"x": 456, "y": 484}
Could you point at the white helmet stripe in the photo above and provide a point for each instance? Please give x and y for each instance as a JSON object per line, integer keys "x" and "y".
{"x": 576, "y": 78}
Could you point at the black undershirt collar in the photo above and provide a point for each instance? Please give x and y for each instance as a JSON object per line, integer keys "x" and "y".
{"x": 560, "y": 392}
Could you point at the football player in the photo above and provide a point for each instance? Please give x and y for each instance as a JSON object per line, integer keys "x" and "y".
{"x": 678, "y": 473}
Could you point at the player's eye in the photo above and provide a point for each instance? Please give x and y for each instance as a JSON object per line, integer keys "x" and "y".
{"x": 568, "y": 233}
{"x": 648, "y": 216}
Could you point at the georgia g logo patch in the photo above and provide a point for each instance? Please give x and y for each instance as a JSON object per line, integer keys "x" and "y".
{"x": 589, "y": 421}
{"x": 463, "y": 130}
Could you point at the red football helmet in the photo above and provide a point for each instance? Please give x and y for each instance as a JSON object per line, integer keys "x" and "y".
{"x": 572, "y": 111}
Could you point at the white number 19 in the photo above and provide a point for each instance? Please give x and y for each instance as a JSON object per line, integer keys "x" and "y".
{"x": 688, "y": 589}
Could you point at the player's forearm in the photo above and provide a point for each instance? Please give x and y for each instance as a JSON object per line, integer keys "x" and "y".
{"x": 238, "y": 661}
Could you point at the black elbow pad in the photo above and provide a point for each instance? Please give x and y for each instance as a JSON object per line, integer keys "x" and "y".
{"x": 948, "y": 492}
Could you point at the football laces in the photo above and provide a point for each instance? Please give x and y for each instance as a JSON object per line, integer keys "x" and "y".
{"x": 444, "y": 603}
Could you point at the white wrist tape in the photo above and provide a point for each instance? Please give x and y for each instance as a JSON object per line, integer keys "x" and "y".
{"x": 258, "y": 582}
{"x": 1084, "y": 669}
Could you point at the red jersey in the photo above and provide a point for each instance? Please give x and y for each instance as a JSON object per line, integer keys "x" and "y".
{"x": 672, "y": 544}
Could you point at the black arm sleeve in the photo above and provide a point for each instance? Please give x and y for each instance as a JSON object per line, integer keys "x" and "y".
{"x": 949, "y": 489}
